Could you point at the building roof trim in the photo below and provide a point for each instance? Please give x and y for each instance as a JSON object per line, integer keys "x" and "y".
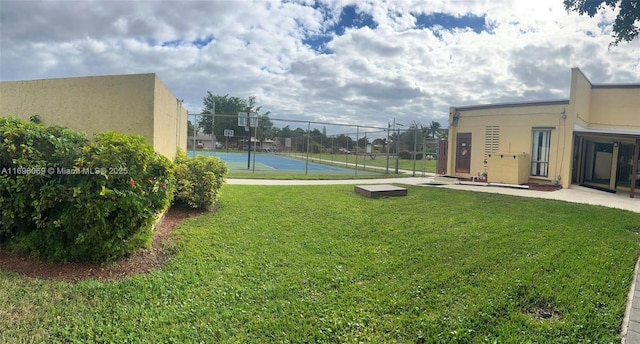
{"x": 601, "y": 86}
{"x": 84, "y": 77}
{"x": 507, "y": 105}
{"x": 580, "y": 129}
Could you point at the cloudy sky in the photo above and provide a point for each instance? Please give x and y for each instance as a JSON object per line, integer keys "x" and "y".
{"x": 340, "y": 61}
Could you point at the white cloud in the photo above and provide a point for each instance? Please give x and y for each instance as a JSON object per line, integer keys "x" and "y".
{"x": 367, "y": 75}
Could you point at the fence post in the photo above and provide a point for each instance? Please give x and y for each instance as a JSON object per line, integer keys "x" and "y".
{"x": 387, "y": 143}
{"x": 357, "y": 147}
{"x": 306, "y": 165}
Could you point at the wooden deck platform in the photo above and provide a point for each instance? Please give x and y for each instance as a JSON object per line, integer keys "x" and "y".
{"x": 375, "y": 191}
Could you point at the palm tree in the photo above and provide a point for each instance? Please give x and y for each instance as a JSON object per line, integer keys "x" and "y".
{"x": 434, "y": 129}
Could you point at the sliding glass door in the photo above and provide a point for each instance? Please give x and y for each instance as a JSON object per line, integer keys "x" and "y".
{"x": 597, "y": 164}
{"x": 625, "y": 165}
{"x": 603, "y": 163}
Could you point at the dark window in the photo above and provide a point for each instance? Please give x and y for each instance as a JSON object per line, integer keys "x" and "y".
{"x": 540, "y": 152}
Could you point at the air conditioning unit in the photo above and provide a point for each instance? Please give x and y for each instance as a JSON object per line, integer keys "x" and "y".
{"x": 508, "y": 168}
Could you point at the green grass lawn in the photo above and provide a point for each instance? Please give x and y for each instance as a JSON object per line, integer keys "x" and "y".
{"x": 283, "y": 264}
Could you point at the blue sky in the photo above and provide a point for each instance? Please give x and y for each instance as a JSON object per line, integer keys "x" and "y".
{"x": 450, "y": 22}
{"x": 349, "y": 18}
{"x": 340, "y": 61}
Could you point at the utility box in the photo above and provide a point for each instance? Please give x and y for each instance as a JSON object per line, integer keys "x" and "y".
{"x": 508, "y": 168}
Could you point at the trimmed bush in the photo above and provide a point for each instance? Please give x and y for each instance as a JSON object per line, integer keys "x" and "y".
{"x": 405, "y": 155}
{"x": 409, "y": 155}
{"x": 78, "y": 199}
{"x": 27, "y": 191}
{"x": 198, "y": 180}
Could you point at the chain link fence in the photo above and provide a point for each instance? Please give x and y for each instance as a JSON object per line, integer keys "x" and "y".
{"x": 395, "y": 149}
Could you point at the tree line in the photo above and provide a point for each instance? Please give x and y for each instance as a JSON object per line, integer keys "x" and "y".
{"x": 225, "y": 111}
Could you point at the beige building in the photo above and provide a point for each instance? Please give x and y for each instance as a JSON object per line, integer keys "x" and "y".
{"x": 202, "y": 141}
{"x": 129, "y": 104}
{"x": 591, "y": 139}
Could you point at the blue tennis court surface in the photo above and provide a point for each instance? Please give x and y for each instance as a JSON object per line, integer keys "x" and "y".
{"x": 272, "y": 163}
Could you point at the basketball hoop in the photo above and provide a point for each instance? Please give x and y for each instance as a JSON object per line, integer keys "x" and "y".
{"x": 242, "y": 119}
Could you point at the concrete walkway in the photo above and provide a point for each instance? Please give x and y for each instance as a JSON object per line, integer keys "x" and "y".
{"x": 630, "y": 331}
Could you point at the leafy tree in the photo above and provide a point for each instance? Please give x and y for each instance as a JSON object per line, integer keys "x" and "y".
{"x": 298, "y": 132}
{"x": 363, "y": 142}
{"x": 251, "y": 105}
{"x": 411, "y": 136}
{"x": 275, "y": 132}
{"x": 266, "y": 127}
{"x": 226, "y": 114}
{"x": 444, "y": 133}
{"x": 298, "y": 138}
{"x": 627, "y": 24}
{"x": 286, "y": 132}
{"x": 316, "y": 136}
{"x": 343, "y": 141}
{"x": 226, "y": 106}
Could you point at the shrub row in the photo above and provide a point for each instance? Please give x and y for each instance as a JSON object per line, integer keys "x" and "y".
{"x": 64, "y": 197}
{"x": 409, "y": 155}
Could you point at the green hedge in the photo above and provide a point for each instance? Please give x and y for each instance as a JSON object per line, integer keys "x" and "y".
{"x": 64, "y": 197}
{"x": 199, "y": 180}
{"x": 409, "y": 155}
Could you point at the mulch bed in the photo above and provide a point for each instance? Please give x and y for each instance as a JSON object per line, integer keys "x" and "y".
{"x": 138, "y": 263}
{"x": 544, "y": 187}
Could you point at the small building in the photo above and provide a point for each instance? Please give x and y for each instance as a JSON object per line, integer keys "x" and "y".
{"x": 590, "y": 139}
{"x": 202, "y": 141}
{"x": 267, "y": 145}
{"x": 129, "y": 104}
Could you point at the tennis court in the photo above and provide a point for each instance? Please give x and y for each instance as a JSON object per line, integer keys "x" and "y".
{"x": 273, "y": 163}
